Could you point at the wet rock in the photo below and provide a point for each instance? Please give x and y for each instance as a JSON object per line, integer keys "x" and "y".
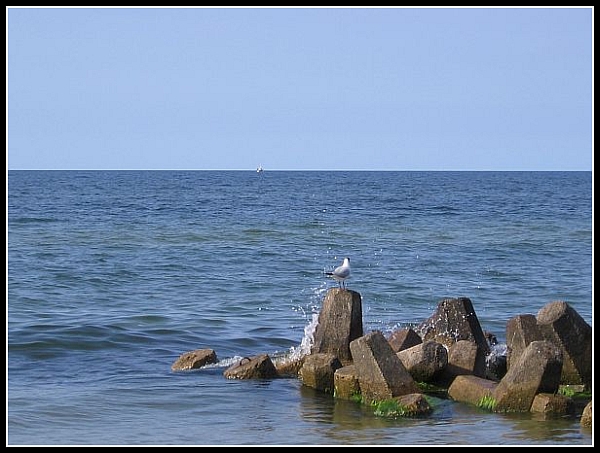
{"x": 559, "y": 323}
{"x": 537, "y": 370}
{"x": 520, "y": 331}
{"x": 586, "y": 416}
{"x": 471, "y": 389}
{"x": 454, "y": 320}
{"x": 380, "y": 372}
{"x": 340, "y": 322}
{"x": 345, "y": 383}
{"x": 194, "y": 359}
{"x": 425, "y": 360}
{"x": 257, "y": 367}
{"x": 464, "y": 357}
{"x": 490, "y": 338}
{"x": 318, "y": 370}
{"x": 289, "y": 367}
{"x": 402, "y": 339}
{"x": 552, "y": 404}
{"x": 414, "y": 404}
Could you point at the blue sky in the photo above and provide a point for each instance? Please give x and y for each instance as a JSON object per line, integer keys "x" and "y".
{"x": 300, "y": 89}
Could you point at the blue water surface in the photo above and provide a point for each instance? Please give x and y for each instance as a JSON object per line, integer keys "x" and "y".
{"x": 113, "y": 274}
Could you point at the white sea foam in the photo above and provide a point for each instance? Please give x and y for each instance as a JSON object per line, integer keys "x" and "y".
{"x": 297, "y": 352}
{"x": 225, "y": 363}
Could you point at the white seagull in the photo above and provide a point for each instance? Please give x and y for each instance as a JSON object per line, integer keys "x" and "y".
{"x": 341, "y": 273}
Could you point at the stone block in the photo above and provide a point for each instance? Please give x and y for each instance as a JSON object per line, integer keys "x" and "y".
{"x": 340, "y": 322}
{"x": 537, "y": 370}
{"x": 317, "y": 371}
{"x": 257, "y": 367}
{"x": 345, "y": 383}
{"x": 403, "y": 339}
{"x": 424, "y": 361}
{"x": 559, "y": 323}
{"x": 471, "y": 389}
{"x": 380, "y": 372}
{"x": 194, "y": 359}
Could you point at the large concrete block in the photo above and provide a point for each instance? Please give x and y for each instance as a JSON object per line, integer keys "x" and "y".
{"x": 402, "y": 339}
{"x": 381, "y": 374}
{"x": 471, "y": 389}
{"x": 340, "y": 322}
{"x": 345, "y": 383}
{"x": 537, "y": 370}
{"x": 520, "y": 331}
{"x": 559, "y": 323}
{"x": 424, "y": 361}
{"x": 454, "y": 320}
{"x": 317, "y": 371}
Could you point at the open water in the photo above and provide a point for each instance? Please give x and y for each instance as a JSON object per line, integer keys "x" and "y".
{"x": 113, "y": 274}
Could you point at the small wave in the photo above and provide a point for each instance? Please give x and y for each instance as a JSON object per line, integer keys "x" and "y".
{"x": 27, "y": 220}
{"x": 147, "y": 319}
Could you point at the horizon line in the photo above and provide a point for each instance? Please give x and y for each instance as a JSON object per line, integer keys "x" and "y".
{"x": 295, "y": 169}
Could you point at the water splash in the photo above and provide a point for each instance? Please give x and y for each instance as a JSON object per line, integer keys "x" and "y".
{"x": 224, "y": 363}
{"x": 498, "y": 349}
{"x": 297, "y": 352}
{"x": 304, "y": 348}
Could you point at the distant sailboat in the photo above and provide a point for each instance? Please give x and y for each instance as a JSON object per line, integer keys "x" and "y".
{"x": 259, "y": 169}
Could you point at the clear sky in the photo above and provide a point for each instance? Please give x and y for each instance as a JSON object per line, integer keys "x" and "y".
{"x": 300, "y": 89}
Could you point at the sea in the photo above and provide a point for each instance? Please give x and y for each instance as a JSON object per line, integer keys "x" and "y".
{"x": 112, "y": 275}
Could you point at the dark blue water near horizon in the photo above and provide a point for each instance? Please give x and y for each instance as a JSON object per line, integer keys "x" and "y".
{"x": 111, "y": 275}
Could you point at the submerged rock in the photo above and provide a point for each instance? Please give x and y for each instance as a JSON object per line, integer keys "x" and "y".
{"x": 410, "y": 405}
{"x": 414, "y": 404}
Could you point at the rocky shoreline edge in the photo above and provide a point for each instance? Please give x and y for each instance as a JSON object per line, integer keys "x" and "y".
{"x": 546, "y": 366}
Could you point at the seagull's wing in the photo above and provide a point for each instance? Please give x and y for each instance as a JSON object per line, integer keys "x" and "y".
{"x": 342, "y": 271}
